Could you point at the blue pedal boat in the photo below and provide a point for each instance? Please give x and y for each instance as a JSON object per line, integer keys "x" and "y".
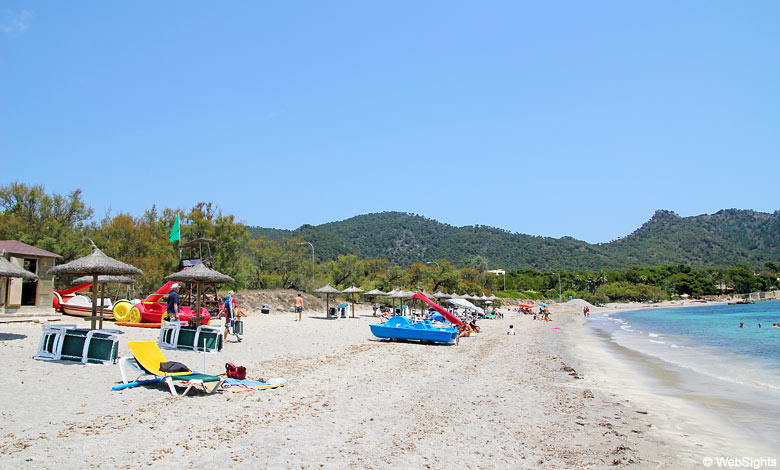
{"x": 402, "y": 328}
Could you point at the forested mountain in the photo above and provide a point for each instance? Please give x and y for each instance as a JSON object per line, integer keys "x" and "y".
{"x": 725, "y": 238}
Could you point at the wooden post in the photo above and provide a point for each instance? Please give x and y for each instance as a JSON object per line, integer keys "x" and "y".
{"x": 93, "y": 323}
{"x": 102, "y": 296}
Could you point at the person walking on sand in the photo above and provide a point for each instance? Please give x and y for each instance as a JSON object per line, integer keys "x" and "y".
{"x": 230, "y": 318}
{"x": 299, "y": 306}
{"x": 174, "y": 304}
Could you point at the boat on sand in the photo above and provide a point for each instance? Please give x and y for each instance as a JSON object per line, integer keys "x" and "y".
{"x": 402, "y": 328}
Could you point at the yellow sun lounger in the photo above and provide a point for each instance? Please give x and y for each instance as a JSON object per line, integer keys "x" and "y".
{"x": 148, "y": 357}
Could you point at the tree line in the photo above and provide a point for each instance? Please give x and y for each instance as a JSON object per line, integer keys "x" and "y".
{"x": 59, "y": 223}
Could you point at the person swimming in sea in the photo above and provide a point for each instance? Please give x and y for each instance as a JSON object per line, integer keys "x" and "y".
{"x": 741, "y": 325}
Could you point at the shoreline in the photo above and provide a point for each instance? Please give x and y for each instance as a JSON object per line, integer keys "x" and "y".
{"x": 698, "y": 425}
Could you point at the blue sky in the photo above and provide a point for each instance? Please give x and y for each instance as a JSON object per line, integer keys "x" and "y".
{"x": 547, "y": 118}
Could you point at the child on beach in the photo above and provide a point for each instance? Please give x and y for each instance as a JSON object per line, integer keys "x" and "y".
{"x": 511, "y": 331}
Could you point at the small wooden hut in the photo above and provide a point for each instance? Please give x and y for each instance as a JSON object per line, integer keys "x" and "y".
{"x": 27, "y": 298}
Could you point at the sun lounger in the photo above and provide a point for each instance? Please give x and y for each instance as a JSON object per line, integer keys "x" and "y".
{"x": 176, "y": 335}
{"x": 146, "y": 360}
{"x": 68, "y": 343}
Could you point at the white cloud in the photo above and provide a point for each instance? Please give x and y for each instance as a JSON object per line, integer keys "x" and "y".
{"x": 15, "y": 22}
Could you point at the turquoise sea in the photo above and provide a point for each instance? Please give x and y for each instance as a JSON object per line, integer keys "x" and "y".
{"x": 700, "y": 353}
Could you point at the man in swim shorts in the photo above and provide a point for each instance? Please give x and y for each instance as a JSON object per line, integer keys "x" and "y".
{"x": 299, "y": 306}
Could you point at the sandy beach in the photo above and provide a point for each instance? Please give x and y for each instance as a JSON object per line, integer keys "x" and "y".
{"x": 544, "y": 398}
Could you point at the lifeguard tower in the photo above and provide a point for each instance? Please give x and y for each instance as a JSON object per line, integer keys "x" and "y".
{"x": 192, "y": 253}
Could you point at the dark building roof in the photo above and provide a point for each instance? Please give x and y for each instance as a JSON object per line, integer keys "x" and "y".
{"x": 14, "y": 247}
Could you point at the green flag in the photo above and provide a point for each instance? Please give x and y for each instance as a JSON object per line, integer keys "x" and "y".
{"x": 175, "y": 233}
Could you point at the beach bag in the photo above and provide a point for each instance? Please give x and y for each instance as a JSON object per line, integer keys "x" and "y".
{"x": 238, "y": 327}
{"x": 235, "y": 372}
{"x": 173, "y": 366}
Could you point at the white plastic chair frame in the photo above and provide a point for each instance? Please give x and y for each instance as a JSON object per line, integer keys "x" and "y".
{"x": 56, "y": 333}
{"x": 129, "y": 363}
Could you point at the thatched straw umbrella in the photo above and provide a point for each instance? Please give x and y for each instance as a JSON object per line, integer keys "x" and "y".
{"x": 353, "y": 290}
{"x": 327, "y": 290}
{"x": 95, "y": 264}
{"x": 373, "y": 294}
{"x": 8, "y": 269}
{"x": 199, "y": 274}
{"x": 103, "y": 280}
{"x": 401, "y": 294}
{"x": 441, "y": 295}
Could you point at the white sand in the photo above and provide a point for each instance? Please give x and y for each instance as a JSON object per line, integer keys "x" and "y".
{"x": 493, "y": 401}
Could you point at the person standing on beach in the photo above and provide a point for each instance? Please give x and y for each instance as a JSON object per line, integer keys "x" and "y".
{"x": 174, "y": 304}
{"x": 230, "y": 318}
{"x": 299, "y": 306}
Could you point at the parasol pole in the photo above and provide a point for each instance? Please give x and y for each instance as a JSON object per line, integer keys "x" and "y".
{"x": 197, "y": 315}
{"x": 94, "y": 301}
{"x": 102, "y": 296}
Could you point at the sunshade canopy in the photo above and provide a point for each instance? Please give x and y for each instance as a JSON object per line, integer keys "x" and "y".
{"x": 328, "y": 289}
{"x": 200, "y": 273}
{"x": 352, "y": 290}
{"x": 96, "y": 262}
{"x": 466, "y": 304}
{"x": 105, "y": 279}
{"x": 8, "y": 269}
{"x": 374, "y": 292}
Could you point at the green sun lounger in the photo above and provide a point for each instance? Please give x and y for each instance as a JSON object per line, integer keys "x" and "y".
{"x": 68, "y": 343}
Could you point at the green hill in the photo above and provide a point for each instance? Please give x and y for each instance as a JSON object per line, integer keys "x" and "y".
{"x": 725, "y": 238}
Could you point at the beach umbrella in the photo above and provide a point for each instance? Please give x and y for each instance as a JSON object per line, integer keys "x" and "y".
{"x": 441, "y": 295}
{"x": 373, "y": 293}
{"x": 199, "y": 274}
{"x": 327, "y": 289}
{"x": 352, "y": 290}
{"x": 390, "y": 296}
{"x": 465, "y": 304}
{"x": 400, "y": 294}
{"x": 8, "y": 269}
{"x": 103, "y": 280}
{"x": 95, "y": 264}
